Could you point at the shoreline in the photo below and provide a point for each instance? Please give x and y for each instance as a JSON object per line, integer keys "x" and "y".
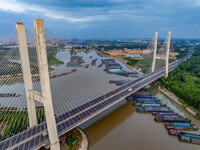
{"x": 121, "y": 60}
{"x": 173, "y": 97}
{"x": 84, "y": 144}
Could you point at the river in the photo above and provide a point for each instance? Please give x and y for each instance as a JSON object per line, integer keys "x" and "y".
{"x": 125, "y": 129}
{"x": 71, "y": 90}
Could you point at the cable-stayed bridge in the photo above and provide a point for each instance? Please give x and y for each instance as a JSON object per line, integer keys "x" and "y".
{"x": 32, "y": 138}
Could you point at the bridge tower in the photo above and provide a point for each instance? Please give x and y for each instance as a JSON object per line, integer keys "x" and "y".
{"x": 26, "y": 71}
{"x": 155, "y": 51}
{"x": 166, "y": 57}
{"x": 167, "y": 54}
{"x": 32, "y": 95}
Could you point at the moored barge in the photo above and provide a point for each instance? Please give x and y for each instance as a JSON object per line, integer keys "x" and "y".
{"x": 173, "y": 132}
{"x": 149, "y": 104}
{"x": 182, "y": 126}
{"x": 163, "y": 113}
{"x": 172, "y": 119}
{"x": 153, "y": 109}
{"x": 189, "y": 138}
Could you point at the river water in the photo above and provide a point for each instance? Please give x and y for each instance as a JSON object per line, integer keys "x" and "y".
{"x": 71, "y": 90}
{"x": 125, "y": 129}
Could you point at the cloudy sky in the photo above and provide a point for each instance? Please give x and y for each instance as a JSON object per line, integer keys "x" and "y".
{"x": 104, "y": 18}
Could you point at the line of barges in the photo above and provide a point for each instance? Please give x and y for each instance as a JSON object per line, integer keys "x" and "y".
{"x": 9, "y": 95}
{"x": 173, "y": 122}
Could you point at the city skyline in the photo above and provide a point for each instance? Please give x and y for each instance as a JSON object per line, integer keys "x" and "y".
{"x": 104, "y": 19}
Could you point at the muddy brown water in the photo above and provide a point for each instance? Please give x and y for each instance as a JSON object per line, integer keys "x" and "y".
{"x": 125, "y": 129}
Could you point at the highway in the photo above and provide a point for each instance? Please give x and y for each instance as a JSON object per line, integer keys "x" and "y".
{"x": 32, "y": 137}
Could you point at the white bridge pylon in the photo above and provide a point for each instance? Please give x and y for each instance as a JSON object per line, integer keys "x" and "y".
{"x": 166, "y": 57}
{"x": 32, "y": 95}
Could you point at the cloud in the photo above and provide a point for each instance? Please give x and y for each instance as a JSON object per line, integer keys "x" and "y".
{"x": 120, "y": 16}
{"x": 197, "y": 3}
{"x": 10, "y": 5}
{"x": 123, "y": 10}
{"x": 20, "y": 7}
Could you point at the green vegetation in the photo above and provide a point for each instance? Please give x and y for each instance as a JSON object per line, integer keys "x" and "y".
{"x": 121, "y": 45}
{"x": 61, "y": 45}
{"x": 130, "y": 61}
{"x": 182, "y": 54}
{"x": 73, "y": 139}
{"x": 73, "y": 52}
{"x": 197, "y": 116}
{"x": 16, "y": 121}
{"x": 52, "y": 60}
{"x": 13, "y": 68}
{"x": 144, "y": 64}
{"x": 10, "y": 69}
{"x": 184, "y": 81}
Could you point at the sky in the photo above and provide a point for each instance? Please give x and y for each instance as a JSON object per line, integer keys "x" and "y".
{"x": 104, "y": 18}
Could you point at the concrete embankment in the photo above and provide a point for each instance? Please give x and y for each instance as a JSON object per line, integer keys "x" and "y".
{"x": 176, "y": 99}
{"x": 84, "y": 143}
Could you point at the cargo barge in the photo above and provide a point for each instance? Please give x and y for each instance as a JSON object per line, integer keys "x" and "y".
{"x": 130, "y": 98}
{"x": 189, "y": 138}
{"x": 93, "y": 63}
{"x": 144, "y": 97}
{"x": 173, "y": 132}
{"x": 100, "y": 54}
{"x": 174, "y": 123}
{"x": 181, "y": 126}
{"x": 9, "y": 95}
{"x": 164, "y": 113}
{"x": 75, "y": 61}
{"x": 62, "y": 74}
{"x": 86, "y": 66}
{"x": 138, "y": 103}
{"x": 150, "y": 104}
{"x": 167, "y": 114}
{"x": 150, "y": 101}
{"x": 153, "y": 109}
{"x": 178, "y": 124}
{"x": 100, "y": 65}
{"x": 172, "y": 119}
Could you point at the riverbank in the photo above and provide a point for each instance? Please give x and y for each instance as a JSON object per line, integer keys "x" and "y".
{"x": 121, "y": 60}
{"x": 84, "y": 143}
{"x": 73, "y": 140}
{"x": 173, "y": 97}
{"x": 129, "y": 66}
{"x": 136, "y": 129}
